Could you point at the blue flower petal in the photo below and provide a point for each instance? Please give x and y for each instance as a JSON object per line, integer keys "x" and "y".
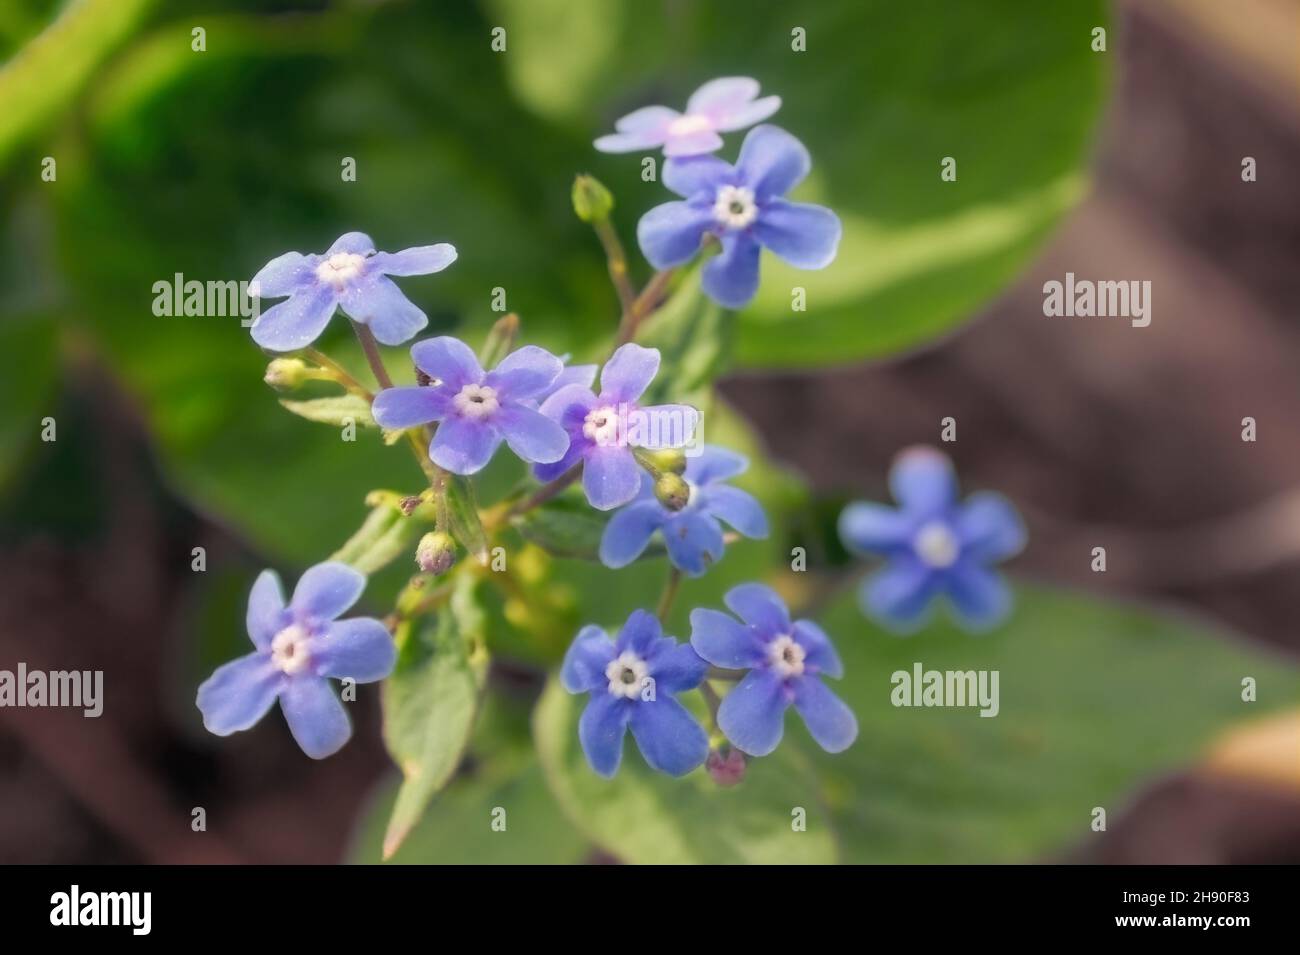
{"x": 723, "y": 641}
{"x": 899, "y": 593}
{"x": 831, "y": 723}
{"x": 923, "y": 482}
{"x": 668, "y": 736}
{"x": 284, "y": 275}
{"x": 377, "y": 301}
{"x": 531, "y": 435}
{"x": 569, "y": 405}
{"x": 818, "y": 647}
{"x": 989, "y": 527}
{"x": 760, "y": 607}
{"x": 360, "y": 649}
{"x": 600, "y": 730}
{"x": 676, "y": 667}
{"x": 267, "y": 614}
{"x": 354, "y": 243}
{"x": 464, "y": 446}
{"x": 327, "y": 590}
{"x": 662, "y": 426}
{"x": 714, "y": 463}
{"x": 694, "y": 541}
{"x": 239, "y": 693}
{"x": 410, "y": 405}
{"x": 628, "y": 532}
{"x": 752, "y": 715}
{"x": 448, "y": 360}
{"x": 639, "y": 633}
{"x": 869, "y": 528}
{"x": 525, "y": 373}
{"x": 420, "y": 260}
{"x": 315, "y": 716}
{"x": 691, "y": 143}
{"x": 628, "y": 373}
{"x": 670, "y": 234}
{"x": 585, "y": 661}
{"x": 980, "y": 596}
{"x": 805, "y": 235}
{"x": 296, "y": 322}
{"x": 737, "y": 508}
{"x": 610, "y": 477}
{"x": 697, "y": 176}
{"x": 644, "y": 128}
{"x": 578, "y": 447}
{"x": 772, "y": 162}
{"x": 731, "y": 277}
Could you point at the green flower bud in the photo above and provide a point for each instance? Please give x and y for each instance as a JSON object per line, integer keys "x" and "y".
{"x": 435, "y": 553}
{"x": 286, "y": 373}
{"x": 672, "y": 491}
{"x": 591, "y": 200}
{"x": 667, "y": 460}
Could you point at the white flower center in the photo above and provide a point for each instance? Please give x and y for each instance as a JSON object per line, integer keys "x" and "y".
{"x": 340, "y": 268}
{"x": 936, "y": 544}
{"x": 688, "y": 124}
{"x": 626, "y": 673}
{"x": 476, "y": 401}
{"x": 786, "y": 656}
{"x": 734, "y": 207}
{"x": 601, "y": 426}
{"x": 289, "y": 649}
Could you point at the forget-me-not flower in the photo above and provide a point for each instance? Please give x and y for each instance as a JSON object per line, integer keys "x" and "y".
{"x": 299, "y": 647}
{"x": 350, "y": 275}
{"x": 934, "y": 545}
{"x": 786, "y": 661}
{"x": 743, "y": 206}
{"x": 477, "y": 409}
{"x": 719, "y": 106}
{"x": 692, "y": 535}
{"x": 633, "y": 681}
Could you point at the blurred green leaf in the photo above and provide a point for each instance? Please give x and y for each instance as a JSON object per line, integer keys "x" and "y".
{"x": 694, "y": 337}
{"x": 338, "y": 410}
{"x": 385, "y": 535}
{"x": 565, "y": 526}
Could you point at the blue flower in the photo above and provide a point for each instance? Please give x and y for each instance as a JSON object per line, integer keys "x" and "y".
{"x": 298, "y": 647}
{"x": 743, "y": 206}
{"x": 692, "y": 535}
{"x": 934, "y": 546}
{"x": 604, "y": 428}
{"x": 786, "y": 661}
{"x": 350, "y": 275}
{"x": 720, "y": 105}
{"x": 477, "y": 409}
{"x": 633, "y": 681}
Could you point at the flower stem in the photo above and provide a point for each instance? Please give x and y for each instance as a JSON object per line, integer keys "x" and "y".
{"x": 371, "y": 348}
{"x": 670, "y": 594}
{"x": 617, "y": 260}
{"x": 536, "y": 499}
{"x": 644, "y": 304}
{"x": 338, "y": 373}
{"x": 711, "y": 697}
{"x": 725, "y": 676}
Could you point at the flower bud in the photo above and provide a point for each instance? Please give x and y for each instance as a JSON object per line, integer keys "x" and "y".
{"x": 591, "y": 200}
{"x": 436, "y": 553}
{"x": 672, "y": 491}
{"x": 670, "y": 460}
{"x": 286, "y": 373}
{"x": 726, "y": 769}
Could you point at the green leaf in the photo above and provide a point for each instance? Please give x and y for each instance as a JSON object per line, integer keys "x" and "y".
{"x": 1095, "y": 700}
{"x": 430, "y": 703}
{"x": 385, "y": 535}
{"x": 642, "y": 816}
{"x": 338, "y": 410}
{"x": 462, "y": 510}
{"x": 565, "y": 526}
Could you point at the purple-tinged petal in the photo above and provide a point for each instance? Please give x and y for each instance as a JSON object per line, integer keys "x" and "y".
{"x": 639, "y": 633}
{"x": 646, "y": 118}
{"x": 296, "y": 322}
{"x": 899, "y": 593}
{"x": 670, "y": 234}
{"x": 694, "y": 542}
{"x": 692, "y": 176}
{"x": 464, "y": 446}
{"x": 691, "y": 143}
{"x": 525, "y": 373}
{"x": 628, "y": 373}
{"x": 267, "y": 614}
{"x": 584, "y": 376}
{"x": 448, "y": 360}
{"x": 360, "y": 649}
{"x": 532, "y": 435}
{"x": 239, "y": 693}
{"x": 737, "y": 508}
{"x": 752, "y": 715}
{"x": 668, "y": 736}
{"x": 326, "y": 590}
{"x": 628, "y": 533}
{"x": 831, "y": 723}
{"x": 354, "y": 243}
{"x": 630, "y": 142}
{"x": 676, "y": 667}
{"x": 760, "y": 607}
{"x": 315, "y": 716}
{"x": 754, "y": 112}
{"x": 377, "y": 301}
{"x": 990, "y": 527}
{"x": 772, "y": 162}
{"x": 818, "y": 647}
{"x": 724, "y": 641}
{"x": 410, "y": 405}
{"x": 644, "y": 128}
{"x": 572, "y": 457}
{"x": 601, "y": 729}
{"x": 802, "y": 234}
{"x": 980, "y": 597}
{"x": 730, "y": 278}
{"x": 569, "y": 405}
{"x": 419, "y": 260}
{"x": 714, "y": 463}
{"x": 662, "y": 426}
{"x": 722, "y": 96}
{"x": 923, "y": 482}
{"x": 283, "y": 275}
{"x": 610, "y": 477}
{"x": 869, "y": 528}
{"x": 585, "y": 661}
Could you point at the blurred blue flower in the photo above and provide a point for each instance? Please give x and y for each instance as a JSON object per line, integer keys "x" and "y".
{"x": 786, "y": 661}
{"x": 743, "y": 206}
{"x": 934, "y": 546}
{"x": 604, "y": 428}
{"x": 477, "y": 409}
{"x": 719, "y": 106}
{"x": 350, "y": 275}
{"x": 633, "y": 681}
{"x": 298, "y": 647}
{"x": 692, "y": 535}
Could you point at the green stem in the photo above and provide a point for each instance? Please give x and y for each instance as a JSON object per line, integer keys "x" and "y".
{"x": 643, "y": 306}
{"x": 617, "y": 261}
{"x": 339, "y": 373}
{"x": 371, "y": 348}
{"x": 669, "y": 594}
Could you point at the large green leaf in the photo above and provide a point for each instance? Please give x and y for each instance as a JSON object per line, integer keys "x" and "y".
{"x": 1095, "y": 699}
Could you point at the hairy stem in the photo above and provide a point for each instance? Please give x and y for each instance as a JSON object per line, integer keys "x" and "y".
{"x": 371, "y": 348}
{"x": 671, "y": 587}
